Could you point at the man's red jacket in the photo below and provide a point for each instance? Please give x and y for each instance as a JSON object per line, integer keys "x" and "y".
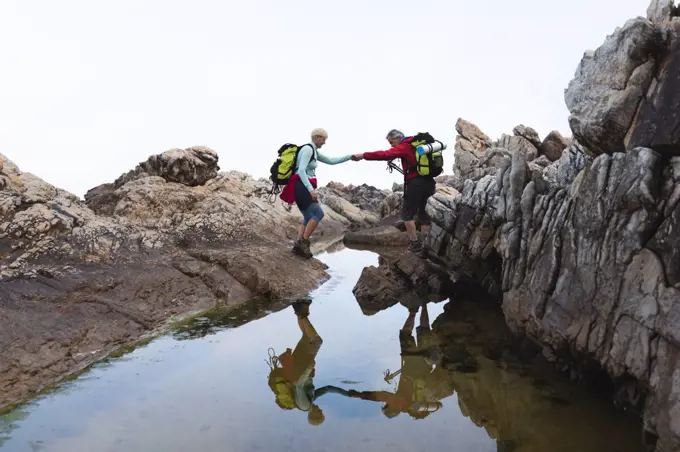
{"x": 403, "y": 151}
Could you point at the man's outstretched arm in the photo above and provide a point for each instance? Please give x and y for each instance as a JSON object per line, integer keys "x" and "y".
{"x": 396, "y": 152}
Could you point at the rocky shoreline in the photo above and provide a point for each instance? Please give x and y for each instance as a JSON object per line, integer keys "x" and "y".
{"x": 173, "y": 236}
{"x": 577, "y": 237}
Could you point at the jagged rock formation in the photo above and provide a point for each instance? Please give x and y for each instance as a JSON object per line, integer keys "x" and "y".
{"x": 609, "y": 84}
{"x": 393, "y": 202}
{"x": 583, "y": 250}
{"x": 78, "y": 279}
{"x": 624, "y": 94}
{"x": 370, "y": 210}
{"x": 586, "y": 263}
{"x": 365, "y": 197}
{"x": 476, "y": 155}
{"x": 363, "y": 205}
{"x": 193, "y": 166}
{"x": 231, "y": 206}
{"x": 528, "y": 133}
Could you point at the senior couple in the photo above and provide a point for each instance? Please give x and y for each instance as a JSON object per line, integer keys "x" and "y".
{"x": 302, "y": 186}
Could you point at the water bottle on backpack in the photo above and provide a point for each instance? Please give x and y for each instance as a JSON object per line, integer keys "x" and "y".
{"x": 430, "y": 148}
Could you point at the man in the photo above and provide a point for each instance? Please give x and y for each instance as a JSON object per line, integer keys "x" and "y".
{"x": 417, "y": 188}
{"x": 422, "y": 381}
{"x": 301, "y": 189}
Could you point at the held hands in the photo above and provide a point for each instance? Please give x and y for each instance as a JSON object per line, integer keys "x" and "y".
{"x": 357, "y": 157}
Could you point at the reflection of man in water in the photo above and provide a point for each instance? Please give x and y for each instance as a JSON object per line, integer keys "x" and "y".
{"x": 292, "y": 372}
{"x": 414, "y": 393}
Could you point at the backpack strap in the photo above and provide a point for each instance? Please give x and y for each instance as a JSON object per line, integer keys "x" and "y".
{"x": 314, "y": 151}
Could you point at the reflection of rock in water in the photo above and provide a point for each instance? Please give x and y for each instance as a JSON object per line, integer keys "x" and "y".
{"x": 401, "y": 278}
{"x": 330, "y": 249}
{"x": 504, "y": 385}
{"x": 379, "y": 288}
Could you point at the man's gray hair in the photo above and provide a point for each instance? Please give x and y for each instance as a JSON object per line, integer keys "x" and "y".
{"x": 394, "y": 133}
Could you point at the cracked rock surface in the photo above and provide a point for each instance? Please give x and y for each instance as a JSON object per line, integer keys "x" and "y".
{"x": 586, "y": 259}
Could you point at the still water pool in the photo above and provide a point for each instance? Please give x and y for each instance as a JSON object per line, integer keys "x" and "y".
{"x": 451, "y": 380}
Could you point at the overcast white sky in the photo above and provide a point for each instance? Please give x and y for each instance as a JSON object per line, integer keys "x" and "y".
{"x": 90, "y": 88}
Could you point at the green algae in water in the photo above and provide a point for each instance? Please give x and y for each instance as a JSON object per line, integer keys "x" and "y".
{"x": 129, "y": 348}
{"x": 225, "y": 317}
{"x": 9, "y": 421}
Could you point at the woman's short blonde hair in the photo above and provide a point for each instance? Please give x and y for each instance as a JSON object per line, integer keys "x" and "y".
{"x": 320, "y": 133}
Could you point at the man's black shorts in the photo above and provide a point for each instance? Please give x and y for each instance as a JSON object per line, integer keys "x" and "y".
{"x": 416, "y": 193}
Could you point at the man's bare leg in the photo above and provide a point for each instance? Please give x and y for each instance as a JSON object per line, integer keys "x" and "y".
{"x": 410, "y": 322}
{"x": 424, "y": 316}
{"x": 411, "y": 229}
{"x": 414, "y": 245}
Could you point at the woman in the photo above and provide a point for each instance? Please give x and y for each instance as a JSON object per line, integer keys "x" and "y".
{"x": 292, "y": 372}
{"x": 301, "y": 189}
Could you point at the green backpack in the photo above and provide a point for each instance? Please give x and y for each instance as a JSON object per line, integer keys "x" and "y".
{"x": 284, "y": 166}
{"x": 431, "y": 164}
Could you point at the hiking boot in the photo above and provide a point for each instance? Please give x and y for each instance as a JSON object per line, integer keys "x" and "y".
{"x": 416, "y": 247}
{"x": 305, "y": 244}
{"x": 301, "y": 308}
{"x": 301, "y": 248}
{"x": 297, "y": 248}
{"x": 424, "y": 251}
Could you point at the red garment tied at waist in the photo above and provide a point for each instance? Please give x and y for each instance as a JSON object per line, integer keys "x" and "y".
{"x": 288, "y": 193}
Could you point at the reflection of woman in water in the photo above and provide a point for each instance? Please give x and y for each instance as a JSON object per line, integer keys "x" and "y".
{"x": 292, "y": 372}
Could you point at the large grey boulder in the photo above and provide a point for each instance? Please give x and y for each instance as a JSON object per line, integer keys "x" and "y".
{"x": 609, "y": 84}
